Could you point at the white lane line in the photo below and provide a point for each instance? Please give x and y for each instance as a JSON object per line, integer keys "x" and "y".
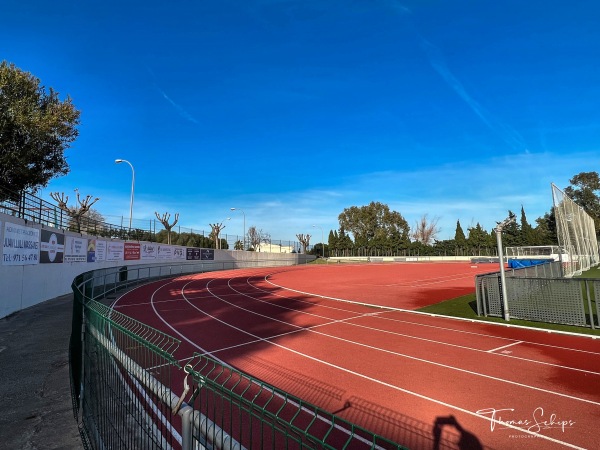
{"x": 504, "y": 346}
{"x": 460, "y": 319}
{"x": 409, "y": 336}
{"x": 508, "y": 425}
{"x": 406, "y": 391}
{"x": 303, "y": 408}
{"x": 391, "y": 352}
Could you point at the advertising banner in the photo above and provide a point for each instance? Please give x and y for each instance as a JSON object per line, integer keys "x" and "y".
{"x": 149, "y": 251}
{"x": 208, "y": 254}
{"x": 75, "y": 249}
{"x": 21, "y": 245}
{"x": 131, "y": 251}
{"x": 91, "y": 250}
{"x": 52, "y": 247}
{"x": 99, "y": 251}
{"x": 114, "y": 251}
{"x": 192, "y": 254}
{"x": 164, "y": 252}
{"x": 179, "y": 253}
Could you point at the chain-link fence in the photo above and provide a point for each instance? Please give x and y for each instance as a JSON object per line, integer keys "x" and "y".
{"x": 539, "y": 293}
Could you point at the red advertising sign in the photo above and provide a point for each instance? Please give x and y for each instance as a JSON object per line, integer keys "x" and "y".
{"x": 131, "y": 251}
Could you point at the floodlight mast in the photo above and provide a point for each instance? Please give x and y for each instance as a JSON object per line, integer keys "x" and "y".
{"x": 510, "y": 219}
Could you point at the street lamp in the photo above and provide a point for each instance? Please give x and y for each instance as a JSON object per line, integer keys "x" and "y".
{"x": 244, "y": 237}
{"x": 510, "y": 219}
{"x": 119, "y": 161}
{"x": 322, "y": 240}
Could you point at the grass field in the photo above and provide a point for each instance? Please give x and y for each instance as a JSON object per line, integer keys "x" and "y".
{"x": 466, "y": 307}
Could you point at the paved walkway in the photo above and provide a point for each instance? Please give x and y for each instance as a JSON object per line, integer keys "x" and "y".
{"x": 35, "y": 395}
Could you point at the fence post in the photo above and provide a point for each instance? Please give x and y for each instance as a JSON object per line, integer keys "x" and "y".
{"x": 187, "y": 440}
{"x": 589, "y": 299}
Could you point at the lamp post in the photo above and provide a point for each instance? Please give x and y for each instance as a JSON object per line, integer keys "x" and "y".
{"x": 510, "y": 219}
{"x": 244, "y": 237}
{"x": 119, "y": 161}
{"x": 322, "y": 240}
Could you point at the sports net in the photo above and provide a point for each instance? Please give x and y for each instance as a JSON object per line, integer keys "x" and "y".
{"x": 576, "y": 235}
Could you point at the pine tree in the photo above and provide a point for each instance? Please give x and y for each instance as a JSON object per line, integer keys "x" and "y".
{"x": 459, "y": 238}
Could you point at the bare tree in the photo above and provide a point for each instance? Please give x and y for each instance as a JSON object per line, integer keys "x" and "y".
{"x": 75, "y": 212}
{"x": 92, "y": 222}
{"x": 165, "y": 222}
{"x": 266, "y": 238}
{"x": 426, "y": 231}
{"x": 304, "y": 240}
{"x": 256, "y": 237}
{"x": 216, "y": 230}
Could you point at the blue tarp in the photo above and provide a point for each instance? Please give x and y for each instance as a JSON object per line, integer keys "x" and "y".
{"x": 520, "y": 263}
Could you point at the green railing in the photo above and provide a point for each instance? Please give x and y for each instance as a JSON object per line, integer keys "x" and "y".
{"x": 129, "y": 391}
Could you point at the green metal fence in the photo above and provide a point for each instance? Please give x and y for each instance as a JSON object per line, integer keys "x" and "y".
{"x": 130, "y": 392}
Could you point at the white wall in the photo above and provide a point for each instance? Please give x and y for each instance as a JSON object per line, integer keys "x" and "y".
{"x": 22, "y": 286}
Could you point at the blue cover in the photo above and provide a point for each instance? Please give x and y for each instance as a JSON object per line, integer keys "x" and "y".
{"x": 520, "y": 263}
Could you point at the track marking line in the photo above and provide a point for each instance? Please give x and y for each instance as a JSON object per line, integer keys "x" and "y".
{"x": 508, "y": 425}
{"x": 377, "y": 381}
{"x": 506, "y": 346}
{"x": 303, "y": 408}
{"x": 460, "y": 319}
{"x": 379, "y": 314}
{"x": 414, "y": 358}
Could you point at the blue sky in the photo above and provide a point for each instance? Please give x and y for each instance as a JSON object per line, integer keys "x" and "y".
{"x": 293, "y": 110}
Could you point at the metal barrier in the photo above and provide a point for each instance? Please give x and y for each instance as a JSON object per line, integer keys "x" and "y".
{"x": 538, "y": 293}
{"x": 123, "y": 373}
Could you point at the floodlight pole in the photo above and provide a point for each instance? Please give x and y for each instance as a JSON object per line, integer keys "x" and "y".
{"x": 322, "y": 241}
{"x": 498, "y": 230}
{"x": 119, "y": 161}
{"x": 244, "y": 236}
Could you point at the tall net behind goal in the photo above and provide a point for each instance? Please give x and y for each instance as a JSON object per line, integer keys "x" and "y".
{"x": 576, "y": 234}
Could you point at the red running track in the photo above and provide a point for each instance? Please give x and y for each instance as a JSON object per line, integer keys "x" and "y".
{"x": 309, "y": 331}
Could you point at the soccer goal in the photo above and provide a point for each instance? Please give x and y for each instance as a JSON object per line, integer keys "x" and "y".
{"x": 576, "y": 235}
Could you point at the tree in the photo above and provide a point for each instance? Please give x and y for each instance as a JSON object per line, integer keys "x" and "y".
{"x": 319, "y": 250}
{"x": 93, "y": 222}
{"x": 546, "y": 229}
{"x": 165, "y": 222}
{"x": 304, "y": 239}
{"x": 479, "y": 239}
{"x": 332, "y": 240}
{"x": 36, "y": 127}
{"x": 216, "y": 230}
{"x": 374, "y": 224}
{"x": 527, "y": 233}
{"x": 343, "y": 242}
{"x": 425, "y": 231}
{"x": 256, "y": 237}
{"x": 460, "y": 240}
{"x": 511, "y": 233}
{"x": 75, "y": 212}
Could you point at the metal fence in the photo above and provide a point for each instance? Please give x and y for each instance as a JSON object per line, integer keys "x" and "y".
{"x": 130, "y": 392}
{"x": 27, "y": 206}
{"x": 576, "y": 234}
{"x": 539, "y": 293}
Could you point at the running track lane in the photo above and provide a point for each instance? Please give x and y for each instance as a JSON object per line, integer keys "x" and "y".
{"x": 393, "y": 372}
